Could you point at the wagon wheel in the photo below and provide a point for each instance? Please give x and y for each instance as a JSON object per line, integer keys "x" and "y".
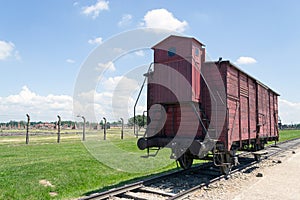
{"x": 185, "y": 161}
{"x": 226, "y": 165}
{"x": 259, "y": 146}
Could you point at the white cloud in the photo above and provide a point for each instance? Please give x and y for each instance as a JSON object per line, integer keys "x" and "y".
{"x": 117, "y": 89}
{"x": 71, "y": 61}
{"x": 163, "y": 19}
{"x": 289, "y": 112}
{"x": 95, "y": 9}
{"x": 113, "y": 99}
{"x": 6, "y": 49}
{"x": 45, "y": 108}
{"x": 97, "y": 41}
{"x": 121, "y": 83}
{"x": 118, "y": 50}
{"x": 243, "y": 60}
{"x": 140, "y": 53}
{"x": 125, "y": 21}
{"x": 124, "y": 91}
{"x": 106, "y": 66}
{"x": 94, "y": 104}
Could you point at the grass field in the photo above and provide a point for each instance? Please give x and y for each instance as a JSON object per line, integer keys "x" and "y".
{"x": 72, "y": 167}
{"x": 76, "y": 168}
{"x": 288, "y": 135}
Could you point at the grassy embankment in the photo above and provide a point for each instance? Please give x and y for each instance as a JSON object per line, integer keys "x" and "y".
{"x": 73, "y": 167}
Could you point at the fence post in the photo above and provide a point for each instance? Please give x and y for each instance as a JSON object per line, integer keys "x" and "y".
{"x": 27, "y": 129}
{"x": 122, "y": 130}
{"x": 83, "y": 128}
{"x": 104, "y": 128}
{"x": 58, "y": 129}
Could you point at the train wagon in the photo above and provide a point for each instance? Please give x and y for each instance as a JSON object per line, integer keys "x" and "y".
{"x": 205, "y": 110}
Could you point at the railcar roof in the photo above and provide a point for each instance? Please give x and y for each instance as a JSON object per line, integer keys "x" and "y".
{"x": 239, "y": 69}
{"x": 177, "y": 37}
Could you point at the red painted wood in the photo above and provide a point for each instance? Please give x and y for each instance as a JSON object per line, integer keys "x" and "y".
{"x": 252, "y": 108}
{"x": 185, "y": 55}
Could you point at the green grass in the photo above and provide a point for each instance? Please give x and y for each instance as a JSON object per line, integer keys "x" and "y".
{"x": 288, "y": 135}
{"x": 76, "y": 168}
{"x": 73, "y": 167}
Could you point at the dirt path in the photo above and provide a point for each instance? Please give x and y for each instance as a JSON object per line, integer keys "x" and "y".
{"x": 281, "y": 180}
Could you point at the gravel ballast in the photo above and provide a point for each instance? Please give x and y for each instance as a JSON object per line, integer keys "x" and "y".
{"x": 275, "y": 178}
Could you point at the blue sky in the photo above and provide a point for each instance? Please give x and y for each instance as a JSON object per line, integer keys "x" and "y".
{"x": 43, "y": 45}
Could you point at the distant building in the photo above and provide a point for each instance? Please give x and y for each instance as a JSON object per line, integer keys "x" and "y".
{"x": 44, "y": 126}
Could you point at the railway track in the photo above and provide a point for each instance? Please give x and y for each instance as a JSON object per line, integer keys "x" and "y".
{"x": 180, "y": 184}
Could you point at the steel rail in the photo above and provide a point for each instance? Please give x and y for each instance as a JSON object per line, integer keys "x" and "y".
{"x": 187, "y": 193}
{"x": 142, "y": 183}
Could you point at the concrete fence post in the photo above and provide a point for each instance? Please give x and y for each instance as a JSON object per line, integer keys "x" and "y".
{"x": 104, "y": 128}
{"x": 122, "y": 130}
{"x": 27, "y": 129}
{"x": 58, "y": 128}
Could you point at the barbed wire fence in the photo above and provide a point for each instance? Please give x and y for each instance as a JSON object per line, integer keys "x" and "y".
{"x": 31, "y": 126}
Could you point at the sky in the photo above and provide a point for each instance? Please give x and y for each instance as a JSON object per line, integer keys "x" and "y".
{"x": 45, "y": 44}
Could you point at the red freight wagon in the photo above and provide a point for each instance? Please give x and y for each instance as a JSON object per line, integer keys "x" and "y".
{"x": 252, "y": 109}
{"x": 207, "y": 115}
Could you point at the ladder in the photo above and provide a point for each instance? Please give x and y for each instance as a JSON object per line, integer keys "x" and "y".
{"x": 138, "y": 97}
